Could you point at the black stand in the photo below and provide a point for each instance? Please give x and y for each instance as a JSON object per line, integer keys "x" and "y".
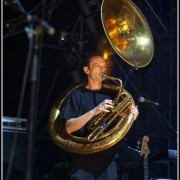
{"x": 41, "y": 26}
{"x": 33, "y": 46}
{"x": 33, "y": 103}
{"x": 169, "y": 127}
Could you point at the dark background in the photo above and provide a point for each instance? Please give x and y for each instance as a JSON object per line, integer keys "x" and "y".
{"x": 59, "y": 66}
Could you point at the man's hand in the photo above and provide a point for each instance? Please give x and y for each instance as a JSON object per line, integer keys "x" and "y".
{"x": 103, "y": 107}
{"x": 134, "y": 111}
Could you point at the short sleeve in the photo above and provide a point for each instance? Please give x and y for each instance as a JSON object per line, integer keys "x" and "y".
{"x": 71, "y": 108}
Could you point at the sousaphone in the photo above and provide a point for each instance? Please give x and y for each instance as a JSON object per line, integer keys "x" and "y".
{"x": 129, "y": 35}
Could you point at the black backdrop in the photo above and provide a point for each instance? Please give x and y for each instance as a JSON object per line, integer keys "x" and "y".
{"x": 59, "y": 67}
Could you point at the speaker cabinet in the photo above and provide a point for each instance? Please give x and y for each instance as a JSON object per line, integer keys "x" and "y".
{"x": 20, "y": 152}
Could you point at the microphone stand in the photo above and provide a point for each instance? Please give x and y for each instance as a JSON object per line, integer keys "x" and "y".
{"x": 164, "y": 120}
{"x": 34, "y": 39}
{"x": 35, "y": 34}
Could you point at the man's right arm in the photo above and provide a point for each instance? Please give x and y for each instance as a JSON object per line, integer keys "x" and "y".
{"x": 75, "y": 124}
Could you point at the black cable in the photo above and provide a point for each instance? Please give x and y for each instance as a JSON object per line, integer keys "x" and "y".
{"x": 133, "y": 85}
{"x": 20, "y": 21}
{"x": 12, "y": 34}
{"x": 164, "y": 120}
{"x": 157, "y": 16}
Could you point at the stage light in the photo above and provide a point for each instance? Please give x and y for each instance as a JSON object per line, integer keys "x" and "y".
{"x": 64, "y": 36}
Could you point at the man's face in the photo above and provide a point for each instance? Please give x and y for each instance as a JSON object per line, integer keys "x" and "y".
{"x": 96, "y": 66}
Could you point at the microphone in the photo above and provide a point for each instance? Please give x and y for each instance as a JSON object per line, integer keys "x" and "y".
{"x": 143, "y": 100}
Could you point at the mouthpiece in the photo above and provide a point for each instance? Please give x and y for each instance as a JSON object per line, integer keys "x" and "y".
{"x": 102, "y": 75}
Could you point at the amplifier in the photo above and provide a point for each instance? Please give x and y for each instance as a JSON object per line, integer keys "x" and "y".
{"x": 14, "y": 124}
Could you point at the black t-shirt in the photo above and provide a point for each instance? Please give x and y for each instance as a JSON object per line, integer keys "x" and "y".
{"x": 83, "y": 100}
{"x": 78, "y": 103}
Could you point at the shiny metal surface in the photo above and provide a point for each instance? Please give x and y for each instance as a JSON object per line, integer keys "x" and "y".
{"x": 128, "y": 32}
{"x": 105, "y": 49}
{"x": 99, "y": 139}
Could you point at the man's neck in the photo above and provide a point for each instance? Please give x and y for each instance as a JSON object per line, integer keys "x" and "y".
{"x": 94, "y": 85}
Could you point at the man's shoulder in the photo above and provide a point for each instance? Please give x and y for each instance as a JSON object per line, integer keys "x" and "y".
{"x": 77, "y": 92}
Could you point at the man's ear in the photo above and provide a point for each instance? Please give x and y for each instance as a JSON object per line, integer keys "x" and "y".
{"x": 86, "y": 70}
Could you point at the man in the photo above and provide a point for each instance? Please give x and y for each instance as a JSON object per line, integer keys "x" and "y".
{"x": 81, "y": 108}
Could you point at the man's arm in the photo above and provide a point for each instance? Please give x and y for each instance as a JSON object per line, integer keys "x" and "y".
{"x": 75, "y": 124}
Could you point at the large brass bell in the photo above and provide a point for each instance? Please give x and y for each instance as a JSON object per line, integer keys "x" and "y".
{"x": 128, "y": 31}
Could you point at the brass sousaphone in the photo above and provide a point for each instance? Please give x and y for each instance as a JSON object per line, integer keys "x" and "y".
{"x": 129, "y": 35}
